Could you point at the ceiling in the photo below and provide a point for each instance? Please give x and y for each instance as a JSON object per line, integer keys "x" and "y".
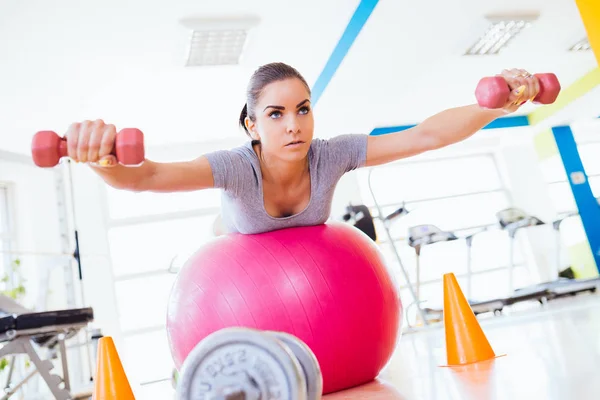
{"x": 124, "y": 62}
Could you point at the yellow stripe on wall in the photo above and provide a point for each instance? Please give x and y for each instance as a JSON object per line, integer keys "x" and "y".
{"x": 590, "y": 15}
{"x": 582, "y": 261}
{"x": 545, "y": 145}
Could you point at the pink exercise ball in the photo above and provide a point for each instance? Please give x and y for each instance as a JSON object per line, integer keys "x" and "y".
{"x": 326, "y": 284}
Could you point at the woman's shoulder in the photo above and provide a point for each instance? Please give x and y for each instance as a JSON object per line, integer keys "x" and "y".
{"x": 340, "y": 145}
{"x": 234, "y": 169}
{"x": 340, "y": 141}
{"x": 347, "y": 151}
{"x": 243, "y": 153}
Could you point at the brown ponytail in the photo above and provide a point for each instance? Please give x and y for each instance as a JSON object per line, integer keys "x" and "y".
{"x": 243, "y": 116}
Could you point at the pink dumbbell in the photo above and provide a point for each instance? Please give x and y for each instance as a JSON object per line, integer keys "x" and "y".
{"x": 493, "y": 91}
{"x": 47, "y": 148}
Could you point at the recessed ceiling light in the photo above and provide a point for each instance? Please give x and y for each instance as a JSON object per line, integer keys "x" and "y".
{"x": 582, "y": 45}
{"x": 501, "y": 31}
{"x": 217, "y": 41}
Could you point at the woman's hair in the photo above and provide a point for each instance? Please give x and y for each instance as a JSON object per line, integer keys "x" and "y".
{"x": 263, "y": 76}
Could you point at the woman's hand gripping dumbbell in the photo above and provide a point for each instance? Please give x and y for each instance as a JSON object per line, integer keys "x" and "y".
{"x": 90, "y": 142}
{"x": 502, "y": 91}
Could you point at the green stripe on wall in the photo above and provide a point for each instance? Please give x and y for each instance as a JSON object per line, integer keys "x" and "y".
{"x": 545, "y": 145}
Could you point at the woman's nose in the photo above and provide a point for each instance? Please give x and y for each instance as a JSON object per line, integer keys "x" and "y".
{"x": 292, "y": 125}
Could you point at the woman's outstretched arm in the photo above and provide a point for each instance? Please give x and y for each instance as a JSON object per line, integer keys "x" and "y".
{"x": 449, "y": 126}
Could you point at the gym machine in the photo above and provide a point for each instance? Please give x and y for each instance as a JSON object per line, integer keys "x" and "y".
{"x": 512, "y": 220}
{"x": 429, "y": 234}
{"x": 418, "y": 237}
{"x": 26, "y": 332}
{"x": 560, "y": 287}
{"x": 360, "y": 217}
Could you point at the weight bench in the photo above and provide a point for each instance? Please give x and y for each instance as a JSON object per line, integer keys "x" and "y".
{"x": 22, "y": 333}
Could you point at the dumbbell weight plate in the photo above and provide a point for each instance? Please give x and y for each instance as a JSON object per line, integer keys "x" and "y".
{"x": 239, "y": 357}
{"x": 309, "y": 362}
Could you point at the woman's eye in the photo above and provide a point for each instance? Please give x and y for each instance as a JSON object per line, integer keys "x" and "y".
{"x": 304, "y": 110}
{"x": 275, "y": 114}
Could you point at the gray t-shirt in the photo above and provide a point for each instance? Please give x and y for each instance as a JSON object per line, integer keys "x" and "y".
{"x": 237, "y": 172}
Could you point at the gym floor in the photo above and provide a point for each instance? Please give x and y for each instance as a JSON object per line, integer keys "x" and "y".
{"x": 550, "y": 352}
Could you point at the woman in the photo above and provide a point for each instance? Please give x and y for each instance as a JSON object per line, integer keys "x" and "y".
{"x": 283, "y": 177}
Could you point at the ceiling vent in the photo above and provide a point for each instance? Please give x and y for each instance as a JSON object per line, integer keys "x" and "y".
{"x": 217, "y": 41}
{"x": 500, "y": 32}
{"x": 582, "y": 45}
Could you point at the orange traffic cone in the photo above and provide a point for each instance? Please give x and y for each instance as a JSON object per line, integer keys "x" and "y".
{"x": 465, "y": 341}
{"x": 111, "y": 381}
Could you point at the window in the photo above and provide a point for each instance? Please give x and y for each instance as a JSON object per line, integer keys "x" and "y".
{"x": 143, "y": 301}
{"x": 147, "y": 357}
{"x": 595, "y": 185}
{"x": 572, "y": 231}
{"x": 553, "y": 169}
{"x": 127, "y": 204}
{"x": 169, "y": 241}
{"x": 5, "y": 236}
{"x": 150, "y": 236}
{"x": 589, "y": 157}
{"x": 452, "y": 213}
{"x": 461, "y": 195}
{"x": 412, "y": 181}
{"x": 558, "y": 184}
{"x": 591, "y": 162}
{"x": 3, "y": 211}
{"x": 562, "y": 197}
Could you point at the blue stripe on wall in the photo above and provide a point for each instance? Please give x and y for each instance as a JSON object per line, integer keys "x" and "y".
{"x": 506, "y": 122}
{"x": 584, "y": 198}
{"x": 357, "y": 22}
{"x": 390, "y": 129}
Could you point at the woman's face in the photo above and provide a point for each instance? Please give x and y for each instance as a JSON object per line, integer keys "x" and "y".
{"x": 284, "y": 120}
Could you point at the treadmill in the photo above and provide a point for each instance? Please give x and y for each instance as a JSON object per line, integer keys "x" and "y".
{"x": 513, "y": 219}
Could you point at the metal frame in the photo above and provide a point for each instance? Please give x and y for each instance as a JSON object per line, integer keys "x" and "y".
{"x": 20, "y": 343}
{"x": 63, "y": 181}
{"x": 395, "y": 251}
{"x": 8, "y": 238}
